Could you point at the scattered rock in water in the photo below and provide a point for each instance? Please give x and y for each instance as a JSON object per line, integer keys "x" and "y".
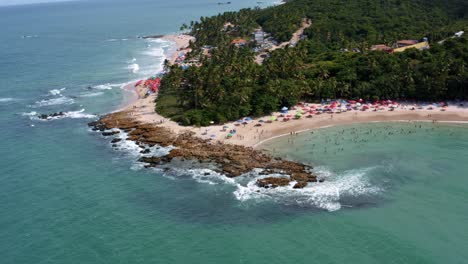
{"x": 110, "y": 133}
{"x": 115, "y": 140}
{"x": 146, "y": 151}
{"x": 50, "y": 116}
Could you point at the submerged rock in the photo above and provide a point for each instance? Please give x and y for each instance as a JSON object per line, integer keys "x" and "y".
{"x": 115, "y": 140}
{"x": 111, "y": 133}
{"x": 50, "y": 116}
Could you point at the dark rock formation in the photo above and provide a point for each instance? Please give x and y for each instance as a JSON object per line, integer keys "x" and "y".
{"x": 111, "y": 133}
{"x": 50, "y": 116}
{"x": 115, "y": 140}
{"x": 233, "y": 160}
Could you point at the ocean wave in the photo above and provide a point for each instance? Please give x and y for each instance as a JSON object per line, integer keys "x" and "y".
{"x": 7, "y": 99}
{"x": 329, "y": 195}
{"x": 107, "y": 86}
{"x": 91, "y": 94}
{"x": 54, "y": 101}
{"x": 56, "y": 91}
{"x": 134, "y": 67}
{"x": 33, "y": 115}
{"x": 130, "y": 147}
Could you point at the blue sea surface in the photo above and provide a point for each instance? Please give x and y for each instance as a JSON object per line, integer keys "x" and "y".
{"x": 67, "y": 196}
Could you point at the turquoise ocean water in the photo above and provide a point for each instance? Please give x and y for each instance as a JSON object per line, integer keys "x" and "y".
{"x": 395, "y": 193}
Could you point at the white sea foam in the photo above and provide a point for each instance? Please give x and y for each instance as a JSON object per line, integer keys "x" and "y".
{"x": 91, "y": 94}
{"x": 134, "y": 67}
{"x": 107, "y": 86}
{"x": 54, "y": 101}
{"x": 56, "y": 91}
{"x": 7, "y": 99}
{"x": 79, "y": 114}
{"x": 33, "y": 115}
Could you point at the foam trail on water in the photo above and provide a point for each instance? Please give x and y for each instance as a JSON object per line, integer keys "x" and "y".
{"x": 107, "y": 86}
{"x": 91, "y": 94}
{"x": 54, "y": 101}
{"x": 7, "y": 99}
{"x": 33, "y": 115}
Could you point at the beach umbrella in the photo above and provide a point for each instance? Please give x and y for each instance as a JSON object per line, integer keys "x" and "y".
{"x": 239, "y": 121}
{"x": 273, "y": 118}
{"x": 351, "y": 101}
{"x": 284, "y": 108}
{"x": 229, "y": 135}
{"x": 248, "y": 119}
{"x": 261, "y": 121}
{"x": 358, "y": 104}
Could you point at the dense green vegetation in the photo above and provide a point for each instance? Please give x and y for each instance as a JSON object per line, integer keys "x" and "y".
{"x": 231, "y": 85}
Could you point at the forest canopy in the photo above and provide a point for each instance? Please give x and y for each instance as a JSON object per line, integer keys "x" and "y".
{"x": 230, "y": 85}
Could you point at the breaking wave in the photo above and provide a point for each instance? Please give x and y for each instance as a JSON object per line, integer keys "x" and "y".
{"x": 56, "y": 91}
{"x": 337, "y": 190}
{"x": 134, "y": 67}
{"x": 7, "y": 99}
{"x": 33, "y": 115}
{"x": 54, "y": 101}
{"x": 107, "y": 86}
{"x": 91, "y": 94}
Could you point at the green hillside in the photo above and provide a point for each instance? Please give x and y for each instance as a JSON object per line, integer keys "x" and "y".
{"x": 229, "y": 84}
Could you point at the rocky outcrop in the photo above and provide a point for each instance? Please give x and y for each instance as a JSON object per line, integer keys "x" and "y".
{"x": 111, "y": 133}
{"x": 233, "y": 160}
{"x": 273, "y": 182}
{"x": 51, "y": 116}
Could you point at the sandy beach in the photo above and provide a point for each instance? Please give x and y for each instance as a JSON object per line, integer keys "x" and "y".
{"x": 251, "y": 135}
{"x": 254, "y": 132}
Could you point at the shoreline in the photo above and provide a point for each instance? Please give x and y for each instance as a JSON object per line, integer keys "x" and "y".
{"x": 259, "y": 144}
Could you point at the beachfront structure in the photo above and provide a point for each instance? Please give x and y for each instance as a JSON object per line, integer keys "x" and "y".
{"x": 420, "y": 46}
{"x": 239, "y": 42}
{"x": 259, "y": 36}
{"x": 406, "y": 43}
{"x": 381, "y": 47}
